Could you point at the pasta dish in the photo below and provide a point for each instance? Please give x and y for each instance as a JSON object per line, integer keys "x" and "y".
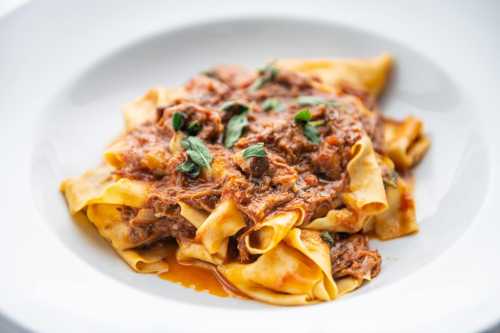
{"x": 268, "y": 182}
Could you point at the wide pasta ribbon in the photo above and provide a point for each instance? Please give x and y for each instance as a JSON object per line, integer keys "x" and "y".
{"x": 266, "y": 235}
{"x": 366, "y": 189}
{"x": 405, "y": 141}
{"x": 339, "y": 220}
{"x": 296, "y": 271}
{"x": 213, "y": 232}
{"x": 143, "y": 109}
{"x": 367, "y": 75}
{"x": 225, "y": 221}
{"x": 104, "y": 197}
{"x": 99, "y": 186}
{"x": 400, "y": 218}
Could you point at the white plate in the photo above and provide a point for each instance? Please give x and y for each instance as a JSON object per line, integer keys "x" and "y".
{"x": 65, "y": 70}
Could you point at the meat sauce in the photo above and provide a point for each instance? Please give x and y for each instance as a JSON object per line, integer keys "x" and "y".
{"x": 305, "y": 159}
{"x": 194, "y": 277}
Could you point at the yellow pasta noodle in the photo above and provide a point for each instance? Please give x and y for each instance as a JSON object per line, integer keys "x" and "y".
{"x": 367, "y": 75}
{"x": 151, "y": 260}
{"x": 143, "y": 109}
{"x": 195, "y": 216}
{"x": 99, "y": 186}
{"x": 367, "y": 194}
{"x": 108, "y": 221}
{"x": 312, "y": 246}
{"x": 281, "y": 276}
{"x": 399, "y": 219}
{"x": 339, "y": 220}
{"x": 271, "y": 231}
{"x": 223, "y": 222}
{"x": 406, "y": 142}
{"x": 189, "y": 250}
{"x": 263, "y": 183}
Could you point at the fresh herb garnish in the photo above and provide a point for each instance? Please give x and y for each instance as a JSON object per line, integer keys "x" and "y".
{"x": 178, "y": 120}
{"x": 315, "y": 100}
{"x": 311, "y": 133}
{"x": 327, "y": 238}
{"x": 234, "y": 107}
{"x": 179, "y": 124}
{"x": 310, "y": 100}
{"x": 267, "y": 74}
{"x": 272, "y": 104}
{"x": 189, "y": 168}
{"x": 197, "y": 151}
{"x": 193, "y": 128}
{"x": 234, "y": 129}
{"x": 209, "y": 73}
{"x": 256, "y": 150}
{"x": 303, "y": 118}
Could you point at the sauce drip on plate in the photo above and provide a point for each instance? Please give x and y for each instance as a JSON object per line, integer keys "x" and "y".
{"x": 194, "y": 277}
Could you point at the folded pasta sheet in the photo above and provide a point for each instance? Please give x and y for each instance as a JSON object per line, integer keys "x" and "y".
{"x": 270, "y": 179}
{"x": 297, "y": 271}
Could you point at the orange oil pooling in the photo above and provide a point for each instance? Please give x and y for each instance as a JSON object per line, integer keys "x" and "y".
{"x": 191, "y": 276}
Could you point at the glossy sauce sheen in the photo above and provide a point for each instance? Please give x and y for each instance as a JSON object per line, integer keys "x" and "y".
{"x": 194, "y": 277}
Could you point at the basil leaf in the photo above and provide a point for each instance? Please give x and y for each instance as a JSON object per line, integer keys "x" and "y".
{"x": 197, "y": 151}
{"x": 235, "y": 107}
{"x": 311, "y": 133}
{"x": 327, "y": 238}
{"x": 209, "y": 73}
{"x": 193, "y": 128}
{"x": 303, "y": 116}
{"x": 273, "y": 104}
{"x": 315, "y": 100}
{"x": 310, "y": 100}
{"x": 267, "y": 74}
{"x": 189, "y": 168}
{"x": 256, "y": 150}
{"x": 178, "y": 120}
{"x": 234, "y": 129}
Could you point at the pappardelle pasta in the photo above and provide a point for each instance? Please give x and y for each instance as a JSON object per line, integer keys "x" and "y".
{"x": 270, "y": 179}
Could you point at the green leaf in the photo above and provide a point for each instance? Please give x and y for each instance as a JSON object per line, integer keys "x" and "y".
{"x": 315, "y": 100}
{"x": 311, "y": 133}
{"x": 273, "y": 104}
{"x": 209, "y": 73}
{"x": 235, "y": 107}
{"x": 189, "y": 168}
{"x": 197, "y": 151}
{"x": 193, "y": 128}
{"x": 310, "y": 100}
{"x": 178, "y": 120}
{"x": 303, "y": 116}
{"x": 267, "y": 74}
{"x": 234, "y": 129}
{"x": 327, "y": 238}
{"x": 256, "y": 150}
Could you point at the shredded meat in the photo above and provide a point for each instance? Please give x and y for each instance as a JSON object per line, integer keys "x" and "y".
{"x": 351, "y": 257}
{"x": 208, "y": 119}
{"x": 232, "y": 75}
{"x": 294, "y": 171}
{"x": 154, "y": 223}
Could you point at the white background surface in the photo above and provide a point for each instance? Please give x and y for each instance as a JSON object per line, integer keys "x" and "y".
{"x": 468, "y": 27}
